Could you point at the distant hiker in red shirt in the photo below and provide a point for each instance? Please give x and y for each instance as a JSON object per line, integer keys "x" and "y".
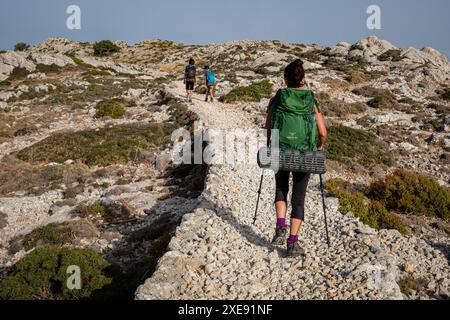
{"x": 190, "y": 79}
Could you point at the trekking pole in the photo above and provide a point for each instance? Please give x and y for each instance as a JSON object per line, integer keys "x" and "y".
{"x": 259, "y": 195}
{"x": 324, "y": 209}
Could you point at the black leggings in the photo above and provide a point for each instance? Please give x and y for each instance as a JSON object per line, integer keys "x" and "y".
{"x": 298, "y": 192}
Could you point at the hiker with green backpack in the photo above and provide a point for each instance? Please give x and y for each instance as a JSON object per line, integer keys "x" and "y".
{"x": 210, "y": 81}
{"x": 295, "y": 112}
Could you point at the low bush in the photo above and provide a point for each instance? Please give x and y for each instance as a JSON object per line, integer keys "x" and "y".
{"x": 18, "y": 73}
{"x": 42, "y": 275}
{"x": 21, "y": 46}
{"x": 446, "y": 95}
{"x": 109, "y": 108}
{"x": 391, "y": 55}
{"x": 411, "y": 193}
{"x": 105, "y": 48}
{"x": 348, "y": 145}
{"x": 371, "y": 213}
{"x": 252, "y": 93}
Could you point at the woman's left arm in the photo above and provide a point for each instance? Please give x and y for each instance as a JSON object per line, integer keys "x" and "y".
{"x": 321, "y": 128}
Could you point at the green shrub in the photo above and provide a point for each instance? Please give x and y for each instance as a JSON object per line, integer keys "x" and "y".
{"x": 21, "y": 46}
{"x": 42, "y": 275}
{"x": 411, "y": 193}
{"x": 348, "y": 145}
{"x": 2, "y": 51}
{"x": 103, "y": 147}
{"x": 350, "y": 202}
{"x": 252, "y": 93}
{"x": 385, "y": 219}
{"x": 105, "y": 48}
{"x": 109, "y": 108}
{"x": 391, "y": 55}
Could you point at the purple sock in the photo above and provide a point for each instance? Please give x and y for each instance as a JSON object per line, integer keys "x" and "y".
{"x": 292, "y": 239}
{"x": 281, "y": 222}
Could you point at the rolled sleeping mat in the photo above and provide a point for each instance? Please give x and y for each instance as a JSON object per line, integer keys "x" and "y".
{"x": 292, "y": 160}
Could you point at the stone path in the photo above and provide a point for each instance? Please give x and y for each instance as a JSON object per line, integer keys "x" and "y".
{"x": 217, "y": 253}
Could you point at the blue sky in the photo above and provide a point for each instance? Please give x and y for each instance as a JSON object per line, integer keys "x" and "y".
{"x": 404, "y": 22}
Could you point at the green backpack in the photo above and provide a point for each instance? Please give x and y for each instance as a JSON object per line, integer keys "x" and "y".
{"x": 293, "y": 116}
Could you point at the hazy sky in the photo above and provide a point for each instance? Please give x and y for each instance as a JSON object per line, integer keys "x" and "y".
{"x": 404, "y": 22}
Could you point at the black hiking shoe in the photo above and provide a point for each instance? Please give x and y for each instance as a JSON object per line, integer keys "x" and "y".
{"x": 294, "y": 250}
{"x": 280, "y": 236}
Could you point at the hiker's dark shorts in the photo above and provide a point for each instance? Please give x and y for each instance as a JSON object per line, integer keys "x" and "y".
{"x": 190, "y": 85}
{"x": 298, "y": 192}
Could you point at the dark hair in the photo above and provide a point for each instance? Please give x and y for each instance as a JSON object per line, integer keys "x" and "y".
{"x": 294, "y": 73}
{"x": 191, "y": 61}
{"x": 207, "y": 67}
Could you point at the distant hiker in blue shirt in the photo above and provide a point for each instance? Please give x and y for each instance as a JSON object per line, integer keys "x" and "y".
{"x": 210, "y": 81}
{"x": 190, "y": 79}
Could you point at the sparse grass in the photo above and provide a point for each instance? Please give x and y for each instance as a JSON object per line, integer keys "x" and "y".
{"x": 115, "y": 145}
{"x": 335, "y": 108}
{"x": 16, "y": 175}
{"x": 381, "y": 98}
{"x": 164, "y": 197}
{"x": 412, "y": 193}
{"x": 252, "y": 93}
{"x": 88, "y": 211}
{"x": 410, "y": 284}
{"x": 348, "y": 145}
{"x": 111, "y": 213}
{"x": 79, "y": 62}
